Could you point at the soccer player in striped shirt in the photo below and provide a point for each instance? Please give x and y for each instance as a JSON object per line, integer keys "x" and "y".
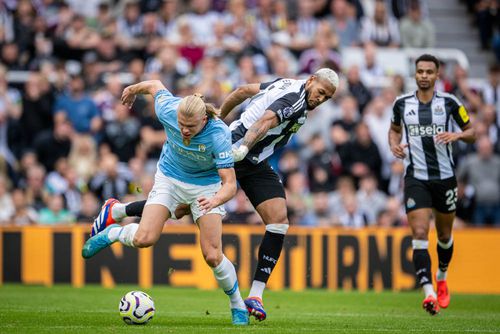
{"x": 427, "y": 119}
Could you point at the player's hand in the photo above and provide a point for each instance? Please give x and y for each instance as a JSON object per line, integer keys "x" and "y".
{"x": 399, "y": 150}
{"x": 128, "y": 97}
{"x": 446, "y": 137}
{"x": 239, "y": 153}
{"x": 207, "y": 204}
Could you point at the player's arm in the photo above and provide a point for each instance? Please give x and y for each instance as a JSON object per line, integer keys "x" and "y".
{"x": 395, "y": 135}
{"x": 258, "y": 129}
{"x": 144, "y": 87}
{"x": 467, "y": 135}
{"x": 239, "y": 95}
{"x": 461, "y": 117}
{"x": 225, "y": 193}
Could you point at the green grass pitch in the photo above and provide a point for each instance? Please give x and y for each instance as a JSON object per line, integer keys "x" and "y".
{"x": 62, "y": 309}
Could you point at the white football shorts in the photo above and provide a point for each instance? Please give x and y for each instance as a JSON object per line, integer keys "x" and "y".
{"x": 170, "y": 192}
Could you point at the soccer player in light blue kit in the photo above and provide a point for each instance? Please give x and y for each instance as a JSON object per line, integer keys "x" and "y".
{"x": 195, "y": 159}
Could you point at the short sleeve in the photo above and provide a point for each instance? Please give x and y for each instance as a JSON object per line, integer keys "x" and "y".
{"x": 264, "y": 85}
{"x": 458, "y": 112}
{"x": 396, "y": 112}
{"x": 222, "y": 151}
{"x": 284, "y": 107}
{"x": 165, "y": 103}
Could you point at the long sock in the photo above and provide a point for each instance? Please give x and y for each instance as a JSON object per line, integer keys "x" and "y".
{"x": 132, "y": 209}
{"x": 445, "y": 252}
{"x": 225, "y": 274}
{"x": 269, "y": 253}
{"x": 124, "y": 234}
{"x": 422, "y": 263}
{"x": 135, "y": 208}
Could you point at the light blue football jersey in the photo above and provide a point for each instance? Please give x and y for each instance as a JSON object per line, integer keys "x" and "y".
{"x": 196, "y": 163}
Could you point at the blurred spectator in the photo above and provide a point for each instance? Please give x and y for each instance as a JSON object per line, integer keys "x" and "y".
{"x": 201, "y": 20}
{"x": 122, "y": 134}
{"x": 89, "y": 208}
{"x": 357, "y": 88}
{"x": 55, "y": 213}
{"x": 482, "y": 171}
{"x": 491, "y": 91}
{"x": 351, "y": 215}
{"x": 298, "y": 199}
{"x": 77, "y": 107}
{"x": 312, "y": 59}
{"x": 319, "y": 215}
{"x": 391, "y": 215}
{"x": 6, "y": 24}
{"x": 371, "y": 200}
{"x": 36, "y": 107}
{"x": 10, "y": 112}
{"x": 6, "y": 202}
{"x": 24, "y": 214}
{"x": 112, "y": 180}
{"x": 360, "y": 157}
{"x": 320, "y": 167}
{"x": 240, "y": 211}
{"x": 34, "y": 189}
{"x": 344, "y": 25}
{"x": 83, "y": 156}
{"x": 381, "y": 29}
{"x": 51, "y": 145}
{"x": 416, "y": 32}
{"x": 371, "y": 70}
{"x": 345, "y": 187}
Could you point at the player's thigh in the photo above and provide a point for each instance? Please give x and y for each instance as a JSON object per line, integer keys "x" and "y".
{"x": 273, "y": 211}
{"x": 153, "y": 218}
{"x": 264, "y": 189}
{"x": 210, "y": 226}
{"x": 194, "y": 192}
{"x": 418, "y": 205}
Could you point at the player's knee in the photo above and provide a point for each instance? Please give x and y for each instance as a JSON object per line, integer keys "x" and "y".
{"x": 444, "y": 237}
{"x": 142, "y": 240}
{"x": 277, "y": 219}
{"x": 212, "y": 257}
{"x": 420, "y": 234}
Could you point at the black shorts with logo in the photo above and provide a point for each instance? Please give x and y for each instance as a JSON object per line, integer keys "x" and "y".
{"x": 259, "y": 182}
{"x": 438, "y": 194}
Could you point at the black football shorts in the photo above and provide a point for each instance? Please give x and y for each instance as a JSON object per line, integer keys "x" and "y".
{"x": 438, "y": 194}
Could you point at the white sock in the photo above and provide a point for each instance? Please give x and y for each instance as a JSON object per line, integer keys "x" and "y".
{"x": 118, "y": 211}
{"x": 225, "y": 274}
{"x": 125, "y": 234}
{"x": 441, "y": 275}
{"x": 429, "y": 290}
{"x": 257, "y": 289}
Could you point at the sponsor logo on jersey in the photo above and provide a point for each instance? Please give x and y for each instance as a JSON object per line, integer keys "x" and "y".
{"x": 224, "y": 155}
{"x": 417, "y": 130}
{"x": 193, "y": 155}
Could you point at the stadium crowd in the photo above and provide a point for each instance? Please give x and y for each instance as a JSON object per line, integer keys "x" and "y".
{"x": 67, "y": 144}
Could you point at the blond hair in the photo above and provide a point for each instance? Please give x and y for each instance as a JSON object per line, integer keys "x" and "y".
{"x": 195, "y": 104}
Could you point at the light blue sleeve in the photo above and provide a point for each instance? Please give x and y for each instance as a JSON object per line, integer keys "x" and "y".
{"x": 165, "y": 104}
{"x": 223, "y": 154}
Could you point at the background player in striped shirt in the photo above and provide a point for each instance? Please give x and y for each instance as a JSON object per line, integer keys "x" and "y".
{"x": 428, "y": 118}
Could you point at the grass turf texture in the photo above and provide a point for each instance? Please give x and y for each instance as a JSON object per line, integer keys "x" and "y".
{"x": 62, "y": 309}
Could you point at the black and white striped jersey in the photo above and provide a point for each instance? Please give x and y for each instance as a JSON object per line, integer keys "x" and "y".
{"x": 285, "y": 97}
{"x": 428, "y": 160}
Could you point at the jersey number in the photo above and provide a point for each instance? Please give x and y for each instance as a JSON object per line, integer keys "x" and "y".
{"x": 451, "y": 198}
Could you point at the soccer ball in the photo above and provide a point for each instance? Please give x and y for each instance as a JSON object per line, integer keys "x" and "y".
{"x": 136, "y": 308}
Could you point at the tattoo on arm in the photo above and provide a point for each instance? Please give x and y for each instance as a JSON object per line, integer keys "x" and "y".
{"x": 254, "y": 134}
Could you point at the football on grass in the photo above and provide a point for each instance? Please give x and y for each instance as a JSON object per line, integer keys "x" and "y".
{"x": 137, "y": 308}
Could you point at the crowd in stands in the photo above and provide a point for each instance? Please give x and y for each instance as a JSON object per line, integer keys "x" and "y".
{"x": 67, "y": 144}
